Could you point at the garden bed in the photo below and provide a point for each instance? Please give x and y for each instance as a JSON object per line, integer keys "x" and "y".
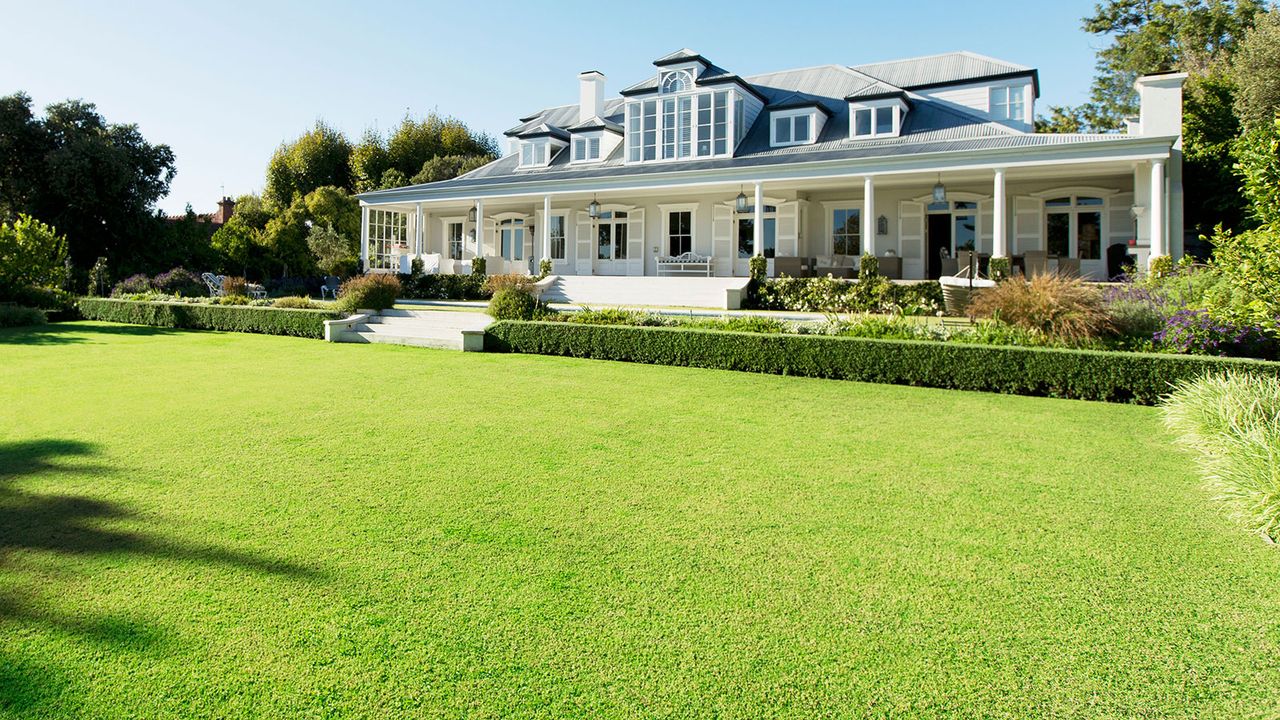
{"x": 1080, "y": 374}
{"x": 195, "y": 316}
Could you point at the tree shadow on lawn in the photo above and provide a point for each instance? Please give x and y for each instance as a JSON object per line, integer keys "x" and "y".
{"x": 65, "y": 334}
{"x": 72, "y": 525}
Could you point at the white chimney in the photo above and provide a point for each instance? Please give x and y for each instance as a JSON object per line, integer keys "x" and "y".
{"x": 590, "y": 94}
{"x": 1160, "y": 99}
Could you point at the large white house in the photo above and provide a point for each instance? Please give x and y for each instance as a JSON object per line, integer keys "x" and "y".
{"x": 694, "y": 169}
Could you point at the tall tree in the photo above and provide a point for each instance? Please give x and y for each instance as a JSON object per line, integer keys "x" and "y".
{"x": 379, "y": 162}
{"x": 97, "y": 182}
{"x": 1255, "y": 69}
{"x": 321, "y": 156}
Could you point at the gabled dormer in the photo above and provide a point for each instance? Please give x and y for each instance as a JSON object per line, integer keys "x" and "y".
{"x": 538, "y": 145}
{"x": 796, "y": 120}
{"x": 688, "y": 109}
{"x": 880, "y": 115}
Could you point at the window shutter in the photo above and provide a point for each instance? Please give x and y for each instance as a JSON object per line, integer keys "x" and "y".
{"x": 788, "y": 229}
{"x": 986, "y": 226}
{"x": 911, "y": 237}
{"x": 722, "y": 240}
{"x": 582, "y": 236}
{"x": 1028, "y": 219}
{"x": 635, "y": 242}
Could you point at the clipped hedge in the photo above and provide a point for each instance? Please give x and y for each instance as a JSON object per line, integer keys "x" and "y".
{"x": 232, "y": 318}
{"x": 1079, "y": 374}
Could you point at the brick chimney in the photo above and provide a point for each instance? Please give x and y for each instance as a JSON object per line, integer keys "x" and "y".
{"x": 226, "y": 206}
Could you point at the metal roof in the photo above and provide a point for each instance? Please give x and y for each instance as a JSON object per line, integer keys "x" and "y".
{"x": 943, "y": 69}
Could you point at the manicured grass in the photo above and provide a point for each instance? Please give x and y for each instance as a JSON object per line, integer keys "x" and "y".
{"x": 225, "y": 525}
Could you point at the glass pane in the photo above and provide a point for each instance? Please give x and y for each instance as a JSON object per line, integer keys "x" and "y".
{"x": 604, "y": 246}
{"x": 966, "y": 232}
{"x": 965, "y": 205}
{"x": 884, "y": 121}
{"x": 620, "y": 214}
{"x": 782, "y": 129}
{"x": 1089, "y": 235}
{"x": 770, "y": 237}
{"x": 506, "y": 243}
{"x": 862, "y": 122}
{"x": 620, "y": 241}
{"x": 1059, "y": 234}
{"x": 669, "y": 128}
{"x": 1058, "y": 202}
{"x": 1088, "y": 201}
{"x": 746, "y": 233}
{"x": 802, "y": 128}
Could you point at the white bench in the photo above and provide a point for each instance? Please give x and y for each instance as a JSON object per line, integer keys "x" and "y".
{"x": 683, "y": 263}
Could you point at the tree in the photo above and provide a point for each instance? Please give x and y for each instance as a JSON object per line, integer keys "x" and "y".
{"x": 335, "y": 253}
{"x": 1255, "y": 69}
{"x": 334, "y": 207}
{"x": 32, "y": 254}
{"x": 95, "y": 181}
{"x": 446, "y": 167}
{"x": 1210, "y": 129}
{"x": 379, "y": 163}
{"x": 321, "y": 156}
{"x": 239, "y": 240}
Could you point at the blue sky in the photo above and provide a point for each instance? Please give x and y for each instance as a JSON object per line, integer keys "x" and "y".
{"x": 225, "y": 83}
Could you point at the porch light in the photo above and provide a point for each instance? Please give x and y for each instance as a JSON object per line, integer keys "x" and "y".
{"x": 740, "y": 203}
{"x": 593, "y": 209}
{"x": 939, "y": 191}
{"x": 471, "y": 214}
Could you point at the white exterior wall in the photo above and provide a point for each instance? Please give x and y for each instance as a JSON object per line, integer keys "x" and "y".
{"x": 977, "y": 99}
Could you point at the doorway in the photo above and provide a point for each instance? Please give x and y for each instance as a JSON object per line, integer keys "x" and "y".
{"x": 939, "y": 240}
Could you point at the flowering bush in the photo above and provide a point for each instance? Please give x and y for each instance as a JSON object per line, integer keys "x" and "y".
{"x": 132, "y": 285}
{"x": 1196, "y": 331}
{"x": 827, "y": 294}
{"x": 180, "y": 281}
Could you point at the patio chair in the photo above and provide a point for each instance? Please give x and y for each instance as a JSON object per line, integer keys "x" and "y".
{"x": 1035, "y": 262}
{"x": 891, "y": 267}
{"x": 256, "y": 291}
{"x": 330, "y": 287}
{"x": 214, "y": 282}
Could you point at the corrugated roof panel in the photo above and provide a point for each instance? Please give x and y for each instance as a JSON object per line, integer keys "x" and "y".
{"x": 935, "y": 69}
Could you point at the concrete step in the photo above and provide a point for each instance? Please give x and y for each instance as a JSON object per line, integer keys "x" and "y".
{"x": 673, "y": 291}
{"x": 443, "y": 343}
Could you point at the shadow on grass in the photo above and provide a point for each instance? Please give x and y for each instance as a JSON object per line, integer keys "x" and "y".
{"x": 32, "y": 523}
{"x": 67, "y": 334}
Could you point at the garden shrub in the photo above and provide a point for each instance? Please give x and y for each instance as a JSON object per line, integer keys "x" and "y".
{"x": 226, "y": 300}
{"x": 132, "y": 285}
{"x": 1064, "y": 310}
{"x": 493, "y": 284}
{"x": 99, "y": 277}
{"x": 19, "y": 316}
{"x": 1231, "y": 422}
{"x": 1080, "y": 374}
{"x": 295, "y": 302}
{"x": 613, "y": 316}
{"x": 737, "y": 323}
{"x": 1000, "y": 268}
{"x": 512, "y": 303}
{"x": 831, "y": 295}
{"x": 234, "y": 286}
{"x": 203, "y": 316}
{"x": 544, "y": 268}
{"x": 1161, "y": 266}
{"x": 758, "y": 268}
{"x": 1198, "y": 332}
{"x": 443, "y": 287}
{"x": 477, "y": 266}
{"x": 32, "y": 254}
{"x": 868, "y": 268}
{"x": 374, "y": 291}
{"x": 180, "y": 281}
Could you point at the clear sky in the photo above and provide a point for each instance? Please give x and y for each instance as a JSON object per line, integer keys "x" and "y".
{"x": 224, "y": 83}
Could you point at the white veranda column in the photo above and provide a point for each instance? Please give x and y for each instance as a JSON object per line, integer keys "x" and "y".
{"x": 418, "y": 237}
{"x": 480, "y": 229}
{"x": 999, "y": 231}
{"x": 546, "y": 228}
{"x": 757, "y": 224}
{"x": 1159, "y": 236}
{"x": 364, "y": 238}
{"x": 869, "y": 216}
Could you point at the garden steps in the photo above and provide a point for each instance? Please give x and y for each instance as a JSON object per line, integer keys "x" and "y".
{"x": 420, "y": 328}
{"x": 723, "y": 293}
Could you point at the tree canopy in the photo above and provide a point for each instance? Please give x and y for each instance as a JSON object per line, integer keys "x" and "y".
{"x": 381, "y": 162}
{"x": 321, "y": 156}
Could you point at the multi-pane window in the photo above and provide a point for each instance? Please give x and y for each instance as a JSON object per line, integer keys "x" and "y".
{"x": 612, "y": 238}
{"x": 533, "y": 153}
{"x": 793, "y": 129}
{"x": 679, "y": 232}
{"x": 680, "y": 127}
{"x": 453, "y": 235}
{"x": 747, "y": 232}
{"x": 676, "y": 81}
{"x": 1008, "y": 102}
{"x": 874, "y": 121}
{"x": 586, "y": 148}
{"x": 555, "y": 227}
{"x": 1074, "y": 227}
{"x": 846, "y": 231}
{"x": 511, "y": 235}
{"x": 387, "y": 230}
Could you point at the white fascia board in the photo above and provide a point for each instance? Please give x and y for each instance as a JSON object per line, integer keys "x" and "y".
{"x": 1119, "y": 150}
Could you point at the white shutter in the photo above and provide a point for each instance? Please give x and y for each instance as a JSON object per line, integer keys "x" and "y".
{"x": 911, "y": 238}
{"x": 1121, "y": 228}
{"x": 722, "y": 240}
{"x": 986, "y": 226}
{"x": 788, "y": 230}
{"x": 635, "y": 242}
{"x": 1028, "y": 214}
{"x": 583, "y": 237}
{"x": 492, "y": 253}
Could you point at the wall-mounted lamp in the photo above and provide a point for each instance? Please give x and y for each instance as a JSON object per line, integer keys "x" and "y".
{"x": 882, "y": 225}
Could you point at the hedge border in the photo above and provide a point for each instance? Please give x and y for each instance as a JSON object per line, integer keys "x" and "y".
{"x": 194, "y": 316}
{"x": 1141, "y": 378}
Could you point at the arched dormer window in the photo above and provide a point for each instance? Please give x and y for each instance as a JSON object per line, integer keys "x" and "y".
{"x": 676, "y": 81}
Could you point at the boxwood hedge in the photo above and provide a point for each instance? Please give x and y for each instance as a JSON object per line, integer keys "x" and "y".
{"x": 233, "y": 318}
{"x": 1080, "y": 374}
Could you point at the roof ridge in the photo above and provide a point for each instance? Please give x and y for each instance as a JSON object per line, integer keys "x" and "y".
{"x": 968, "y": 53}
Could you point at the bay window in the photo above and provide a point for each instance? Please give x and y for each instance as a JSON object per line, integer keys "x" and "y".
{"x": 678, "y": 127}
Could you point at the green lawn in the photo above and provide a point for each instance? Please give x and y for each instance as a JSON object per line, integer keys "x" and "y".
{"x": 220, "y": 525}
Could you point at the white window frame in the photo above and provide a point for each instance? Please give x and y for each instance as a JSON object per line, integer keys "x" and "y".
{"x": 1000, "y": 103}
{"x": 667, "y": 210}
{"x": 807, "y": 115}
{"x": 1073, "y": 212}
{"x": 897, "y": 109}
{"x": 544, "y": 147}
{"x": 829, "y": 208}
{"x": 683, "y": 76}
{"x": 387, "y": 229}
{"x": 687, "y": 127}
{"x": 447, "y": 224}
{"x": 563, "y": 216}
{"x": 513, "y": 222}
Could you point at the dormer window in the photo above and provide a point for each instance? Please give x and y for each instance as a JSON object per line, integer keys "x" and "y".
{"x": 1008, "y": 102}
{"x": 798, "y": 126}
{"x": 533, "y": 153}
{"x": 676, "y": 81}
{"x": 586, "y": 149}
{"x": 875, "y": 120}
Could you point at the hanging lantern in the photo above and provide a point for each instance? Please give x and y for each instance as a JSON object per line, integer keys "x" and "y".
{"x": 740, "y": 203}
{"x": 939, "y": 191}
{"x": 594, "y": 209}
{"x": 471, "y": 214}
